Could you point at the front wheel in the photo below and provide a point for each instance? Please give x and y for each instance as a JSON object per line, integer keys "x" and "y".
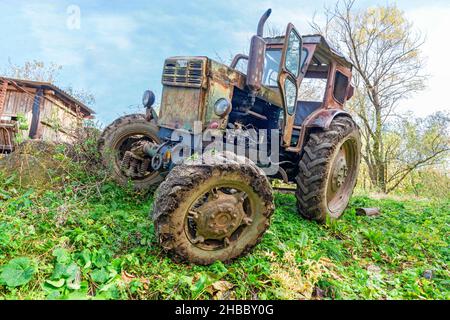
{"x": 121, "y": 136}
{"x": 208, "y": 212}
{"x": 328, "y": 170}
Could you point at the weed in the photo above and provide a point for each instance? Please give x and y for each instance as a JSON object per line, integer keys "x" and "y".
{"x": 87, "y": 238}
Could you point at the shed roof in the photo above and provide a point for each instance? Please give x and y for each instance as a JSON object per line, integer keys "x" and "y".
{"x": 49, "y": 86}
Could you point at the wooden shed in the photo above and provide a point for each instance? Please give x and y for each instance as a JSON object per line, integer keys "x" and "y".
{"x": 48, "y": 112}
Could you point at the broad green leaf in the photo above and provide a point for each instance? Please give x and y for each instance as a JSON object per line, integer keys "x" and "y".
{"x": 86, "y": 256}
{"x": 100, "y": 260}
{"x": 73, "y": 277}
{"x": 59, "y": 271}
{"x": 108, "y": 291}
{"x": 17, "y": 272}
{"x": 80, "y": 294}
{"x": 53, "y": 295}
{"x": 76, "y": 295}
{"x": 100, "y": 276}
{"x": 62, "y": 256}
{"x": 57, "y": 283}
{"x": 200, "y": 284}
{"x": 72, "y": 271}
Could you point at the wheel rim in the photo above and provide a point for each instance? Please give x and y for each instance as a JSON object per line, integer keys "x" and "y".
{"x": 221, "y": 216}
{"x": 141, "y": 169}
{"x": 342, "y": 176}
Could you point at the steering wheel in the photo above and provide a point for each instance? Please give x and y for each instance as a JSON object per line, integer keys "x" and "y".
{"x": 272, "y": 77}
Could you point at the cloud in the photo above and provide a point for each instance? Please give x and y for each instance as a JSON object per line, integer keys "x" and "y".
{"x": 99, "y": 33}
{"x": 432, "y": 21}
{"x": 48, "y": 25}
{"x": 113, "y": 29}
{"x": 120, "y": 48}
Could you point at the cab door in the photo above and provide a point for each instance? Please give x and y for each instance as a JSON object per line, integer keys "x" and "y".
{"x": 288, "y": 78}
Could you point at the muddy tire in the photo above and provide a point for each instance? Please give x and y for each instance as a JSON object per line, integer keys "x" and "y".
{"x": 195, "y": 224}
{"x": 328, "y": 170}
{"x": 117, "y": 138}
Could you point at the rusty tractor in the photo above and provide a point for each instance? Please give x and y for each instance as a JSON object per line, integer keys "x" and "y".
{"x": 218, "y": 208}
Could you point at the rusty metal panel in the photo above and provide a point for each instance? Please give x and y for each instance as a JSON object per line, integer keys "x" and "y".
{"x": 217, "y": 90}
{"x": 221, "y": 83}
{"x": 255, "y": 67}
{"x": 184, "y": 101}
{"x": 321, "y": 118}
{"x": 180, "y": 107}
{"x": 184, "y": 72}
{"x": 184, "y": 83}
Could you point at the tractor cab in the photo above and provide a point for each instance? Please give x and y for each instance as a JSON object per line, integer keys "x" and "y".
{"x": 309, "y": 80}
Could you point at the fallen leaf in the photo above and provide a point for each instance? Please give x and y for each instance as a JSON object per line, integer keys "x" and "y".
{"x": 222, "y": 285}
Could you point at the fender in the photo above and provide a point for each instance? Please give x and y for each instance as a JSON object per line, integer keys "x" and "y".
{"x": 321, "y": 119}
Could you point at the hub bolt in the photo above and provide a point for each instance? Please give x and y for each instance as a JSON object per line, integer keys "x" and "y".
{"x": 194, "y": 214}
{"x": 199, "y": 239}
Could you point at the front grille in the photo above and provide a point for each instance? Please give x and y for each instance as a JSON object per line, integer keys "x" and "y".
{"x": 182, "y": 72}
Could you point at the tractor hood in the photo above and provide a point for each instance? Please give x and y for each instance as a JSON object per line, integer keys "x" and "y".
{"x": 192, "y": 86}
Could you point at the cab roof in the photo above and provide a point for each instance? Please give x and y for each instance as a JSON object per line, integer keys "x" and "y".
{"x": 323, "y": 53}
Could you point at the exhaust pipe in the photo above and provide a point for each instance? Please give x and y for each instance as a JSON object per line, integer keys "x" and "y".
{"x": 256, "y": 57}
{"x": 262, "y": 21}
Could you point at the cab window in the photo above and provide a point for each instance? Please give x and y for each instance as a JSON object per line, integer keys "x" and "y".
{"x": 340, "y": 87}
{"x": 271, "y": 67}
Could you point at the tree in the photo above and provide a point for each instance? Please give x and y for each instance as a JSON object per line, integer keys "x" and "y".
{"x": 81, "y": 94}
{"x": 415, "y": 144}
{"x": 33, "y": 70}
{"x": 40, "y": 71}
{"x": 385, "y": 52}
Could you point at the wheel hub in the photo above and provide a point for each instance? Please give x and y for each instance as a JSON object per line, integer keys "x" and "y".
{"x": 220, "y": 217}
{"x": 340, "y": 173}
{"x": 135, "y": 164}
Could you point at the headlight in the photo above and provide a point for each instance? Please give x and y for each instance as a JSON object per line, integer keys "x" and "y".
{"x": 222, "y": 107}
{"x": 148, "y": 99}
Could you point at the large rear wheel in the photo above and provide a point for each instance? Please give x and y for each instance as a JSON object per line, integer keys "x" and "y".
{"x": 121, "y": 136}
{"x": 328, "y": 170}
{"x": 204, "y": 213}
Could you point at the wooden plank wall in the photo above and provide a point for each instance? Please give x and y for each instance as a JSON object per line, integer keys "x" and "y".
{"x": 3, "y": 90}
{"x": 17, "y": 102}
{"x": 57, "y": 121}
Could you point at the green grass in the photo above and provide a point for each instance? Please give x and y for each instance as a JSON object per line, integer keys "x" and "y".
{"x": 101, "y": 245}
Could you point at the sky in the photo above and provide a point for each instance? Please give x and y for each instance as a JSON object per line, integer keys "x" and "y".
{"x": 116, "y": 49}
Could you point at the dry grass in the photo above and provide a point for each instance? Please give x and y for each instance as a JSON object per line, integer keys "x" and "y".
{"x": 296, "y": 283}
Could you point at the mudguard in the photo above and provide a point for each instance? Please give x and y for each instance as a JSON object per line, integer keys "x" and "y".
{"x": 321, "y": 119}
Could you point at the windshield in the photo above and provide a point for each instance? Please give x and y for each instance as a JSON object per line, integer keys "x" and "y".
{"x": 271, "y": 67}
